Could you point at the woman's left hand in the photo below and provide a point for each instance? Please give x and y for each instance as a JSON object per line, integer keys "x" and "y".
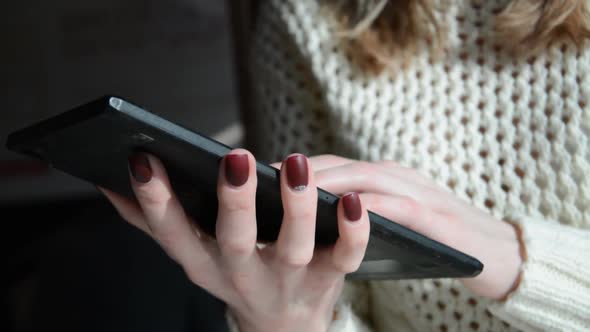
{"x": 412, "y": 200}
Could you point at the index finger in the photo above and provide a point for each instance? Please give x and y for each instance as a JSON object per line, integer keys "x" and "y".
{"x": 166, "y": 218}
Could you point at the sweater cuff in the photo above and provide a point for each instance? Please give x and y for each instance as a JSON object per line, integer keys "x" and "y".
{"x": 554, "y": 290}
{"x": 344, "y": 321}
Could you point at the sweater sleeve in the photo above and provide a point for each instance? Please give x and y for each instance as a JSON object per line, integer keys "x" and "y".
{"x": 554, "y": 290}
{"x": 286, "y": 99}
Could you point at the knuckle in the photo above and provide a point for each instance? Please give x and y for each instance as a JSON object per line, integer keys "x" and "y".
{"x": 237, "y": 247}
{"x": 299, "y": 213}
{"x": 410, "y": 206}
{"x": 295, "y": 260}
{"x": 359, "y": 241}
{"x": 234, "y": 202}
{"x": 153, "y": 195}
{"x": 345, "y": 266}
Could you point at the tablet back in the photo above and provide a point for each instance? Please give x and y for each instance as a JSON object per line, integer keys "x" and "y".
{"x": 93, "y": 142}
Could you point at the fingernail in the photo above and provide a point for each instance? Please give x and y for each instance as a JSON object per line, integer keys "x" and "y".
{"x": 352, "y": 206}
{"x": 140, "y": 168}
{"x": 237, "y": 169}
{"x": 297, "y": 174}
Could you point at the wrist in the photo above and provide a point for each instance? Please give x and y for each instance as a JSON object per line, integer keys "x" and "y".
{"x": 287, "y": 323}
{"x": 510, "y": 262}
{"x": 283, "y": 327}
{"x": 502, "y": 265}
{"x": 521, "y": 258}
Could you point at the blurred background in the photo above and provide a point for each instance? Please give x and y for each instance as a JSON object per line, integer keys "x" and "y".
{"x": 176, "y": 58}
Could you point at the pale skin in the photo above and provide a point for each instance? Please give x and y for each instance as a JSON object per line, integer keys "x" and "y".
{"x": 289, "y": 286}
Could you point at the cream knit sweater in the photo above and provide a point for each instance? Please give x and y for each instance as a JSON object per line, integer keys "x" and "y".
{"x": 509, "y": 135}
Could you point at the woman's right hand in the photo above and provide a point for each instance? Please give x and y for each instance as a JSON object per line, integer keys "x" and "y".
{"x": 286, "y": 286}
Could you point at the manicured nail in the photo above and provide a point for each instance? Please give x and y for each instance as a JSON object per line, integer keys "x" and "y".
{"x": 352, "y": 206}
{"x": 140, "y": 168}
{"x": 297, "y": 174}
{"x": 237, "y": 169}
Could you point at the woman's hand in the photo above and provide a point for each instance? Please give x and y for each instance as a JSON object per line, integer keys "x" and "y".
{"x": 410, "y": 199}
{"x": 286, "y": 286}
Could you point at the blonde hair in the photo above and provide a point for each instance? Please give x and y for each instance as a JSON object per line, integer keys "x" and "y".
{"x": 381, "y": 30}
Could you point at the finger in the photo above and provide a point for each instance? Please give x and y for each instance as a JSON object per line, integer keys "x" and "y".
{"x": 363, "y": 171}
{"x": 409, "y": 174}
{"x": 405, "y": 211}
{"x": 236, "y": 216}
{"x": 127, "y": 209}
{"x": 326, "y": 161}
{"x": 164, "y": 215}
{"x": 353, "y": 234}
{"x": 364, "y": 177}
{"x": 402, "y": 210}
{"x": 296, "y": 239}
{"x": 322, "y": 162}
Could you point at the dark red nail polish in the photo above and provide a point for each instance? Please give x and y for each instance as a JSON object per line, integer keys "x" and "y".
{"x": 237, "y": 169}
{"x": 352, "y": 206}
{"x": 297, "y": 173}
{"x": 140, "y": 168}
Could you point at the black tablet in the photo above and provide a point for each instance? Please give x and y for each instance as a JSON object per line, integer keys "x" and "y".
{"x": 93, "y": 142}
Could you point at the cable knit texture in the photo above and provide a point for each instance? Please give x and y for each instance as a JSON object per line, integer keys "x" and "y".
{"x": 510, "y": 135}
